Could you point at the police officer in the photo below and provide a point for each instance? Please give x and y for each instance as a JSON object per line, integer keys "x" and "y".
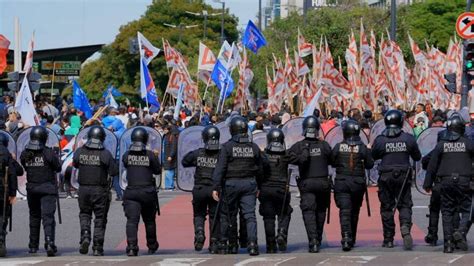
{"x": 351, "y": 158}
{"x": 204, "y": 159}
{"x": 451, "y": 162}
{"x": 140, "y": 197}
{"x": 95, "y": 164}
{"x": 14, "y": 170}
{"x": 274, "y": 195}
{"x": 313, "y": 156}
{"x": 41, "y": 165}
{"x": 395, "y": 147}
{"x": 235, "y": 176}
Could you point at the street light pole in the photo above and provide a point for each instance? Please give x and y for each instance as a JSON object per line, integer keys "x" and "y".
{"x": 222, "y": 22}
{"x": 260, "y": 14}
{"x": 204, "y": 13}
{"x": 393, "y": 20}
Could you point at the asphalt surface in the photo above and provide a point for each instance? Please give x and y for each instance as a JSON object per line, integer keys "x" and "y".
{"x": 176, "y": 237}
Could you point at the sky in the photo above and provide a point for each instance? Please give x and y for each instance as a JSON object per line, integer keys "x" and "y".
{"x": 67, "y": 23}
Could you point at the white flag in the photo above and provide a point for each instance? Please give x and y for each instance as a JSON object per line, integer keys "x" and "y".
{"x": 24, "y": 105}
{"x": 207, "y": 60}
{"x": 147, "y": 50}
{"x": 29, "y": 56}
{"x": 312, "y": 105}
{"x": 225, "y": 54}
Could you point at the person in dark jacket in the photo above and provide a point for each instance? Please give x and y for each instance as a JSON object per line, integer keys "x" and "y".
{"x": 41, "y": 165}
{"x": 170, "y": 148}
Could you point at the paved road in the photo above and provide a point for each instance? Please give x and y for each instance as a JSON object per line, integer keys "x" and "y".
{"x": 175, "y": 234}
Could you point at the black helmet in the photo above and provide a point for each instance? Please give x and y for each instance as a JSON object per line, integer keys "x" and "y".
{"x": 38, "y": 138}
{"x": 351, "y": 132}
{"x": 456, "y": 127}
{"x": 393, "y": 119}
{"x": 210, "y": 136}
{"x": 96, "y": 137}
{"x": 4, "y": 139}
{"x": 276, "y": 140}
{"x": 394, "y": 122}
{"x": 311, "y": 127}
{"x": 368, "y": 114}
{"x": 239, "y": 129}
{"x": 139, "y": 139}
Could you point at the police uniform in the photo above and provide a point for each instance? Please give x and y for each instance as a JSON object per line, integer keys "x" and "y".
{"x": 41, "y": 165}
{"x": 395, "y": 147}
{"x": 313, "y": 156}
{"x": 14, "y": 170}
{"x": 238, "y": 167}
{"x": 451, "y": 163}
{"x": 95, "y": 164}
{"x": 351, "y": 158}
{"x": 140, "y": 197}
{"x": 272, "y": 199}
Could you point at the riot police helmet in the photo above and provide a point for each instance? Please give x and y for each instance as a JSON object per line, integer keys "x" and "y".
{"x": 276, "y": 140}
{"x": 38, "y": 138}
{"x": 311, "y": 127}
{"x": 393, "y": 122}
{"x": 210, "y": 137}
{"x": 239, "y": 129}
{"x": 456, "y": 127}
{"x": 96, "y": 137}
{"x": 139, "y": 139}
{"x": 351, "y": 132}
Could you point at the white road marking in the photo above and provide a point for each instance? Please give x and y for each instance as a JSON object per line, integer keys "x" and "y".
{"x": 20, "y": 262}
{"x": 265, "y": 261}
{"x": 420, "y": 207}
{"x": 324, "y": 261}
{"x": 181, "y": 261}
{"x": 455, "y": 259}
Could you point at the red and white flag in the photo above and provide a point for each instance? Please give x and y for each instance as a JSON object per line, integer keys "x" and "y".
{"x": 24, "y": 105}
{"x": 367, "y": 71}
{"x": 29, "y": 56}
{"x": 225, "y": 54}
{"x": 207, "y": 60}
{"x": 173, "y": 58}
{"x": 147, "y": 50}
{"x": 4, "y": 44}
{"x": 304, "y": 48}
{"x": 301, "y": 67}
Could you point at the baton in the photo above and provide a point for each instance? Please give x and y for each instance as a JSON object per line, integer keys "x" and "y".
{"x": 397, "y": 200}
{"x": 287, "y": 188}
{"x": 328, "y": 219}
{"x": 158, "y": 211}
{"x": 10, "y": 221}
{"x": 367, "y": 202}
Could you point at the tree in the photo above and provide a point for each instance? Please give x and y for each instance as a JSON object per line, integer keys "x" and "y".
{"x": 118, "y": 67}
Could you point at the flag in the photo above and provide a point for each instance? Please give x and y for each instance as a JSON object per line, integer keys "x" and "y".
{"x": 173, "y": 58}
{"x": 223, "y": 80}
{"x": 309, "y": 109}
{"x": 301, "y": 67}
{"x": 29, "y": 56}
{"x": 206, "y": 58}
{"x": 253, "y": 38}
{"x": 147, "y": 50}
{"x": 4, "y": 44}
{"x": 225, "y": 54}
{"x": 110, "y": 101}
{"x": 24, "y": 105}
{"x": 147, "y": 86}
{"x": 304, "y": 48}
{"x": 111, "y": 90}
{"x": 80, "y": 100}
{"x": 179, "y": 102}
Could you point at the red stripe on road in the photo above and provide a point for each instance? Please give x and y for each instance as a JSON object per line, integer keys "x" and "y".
{"x": 175, "y": 228}
{"x": 369, "y": 232}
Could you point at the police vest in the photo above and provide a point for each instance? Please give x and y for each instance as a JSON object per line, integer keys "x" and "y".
{"x": 205, "y": 164}
{"x": 350, "y": 160}
{"x": 278, "y": 167}
{"x": 37, "y": 169}
{"x": 241, "y": 160}
{"x": 317, "y": 165}
{"x": 455, "y": 158}
{"x": 92, "y": 169}
{"x": 139, "y": 172}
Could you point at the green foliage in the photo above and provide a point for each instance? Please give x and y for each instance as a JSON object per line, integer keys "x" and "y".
{"x": 118, "y": 67}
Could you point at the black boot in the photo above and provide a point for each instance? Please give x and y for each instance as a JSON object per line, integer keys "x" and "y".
{"x": 387, "y": 243}
{"x": 213, "y": 246}
{"x": 222, "y": 248}
{"x": 252, "y": 248}
{"x": 32, "y": 248}
{"x": 448, "y": 246}
{"x": 460, "y": 241}
{"x": 407, "y": 239}
{"x": 431, "y": 239}
{"x": 233, "y": 248}
{"x": 85, "y": 242}
{"x": 199, "y": 239}
{"x": 282, "y": 239}
{"x": 132, "y": 250}
{"x": 51, "y": 249}
{"x": 314, "y": 246}
{"x": 152, "y": 248}
{"x": 271, "y": 246}
{"x": 3, "y": 247}
{"x": 346, "y": 242}
{"x": 98, "y": 250}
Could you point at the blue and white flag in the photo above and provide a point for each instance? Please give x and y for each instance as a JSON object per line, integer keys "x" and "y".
{"x": 253, "y": 38}
{"x": 147, "y": 86}
{"x": 80, "y": 100}
{"x": 112, "y": 90}
{"x": 221, "y": 77}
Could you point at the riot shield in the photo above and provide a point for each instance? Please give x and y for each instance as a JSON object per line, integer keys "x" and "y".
{"x": 190, "y": 139}
{"x": 379, "y": 127}
{"x": 11, "y": 144}
{"x": 110, "y": 143}
{"x": 224, "y": 131}
{"x": 22, "y": 141}
{"x": 153, "y": 144}
{"x": 260, "y": 139}
{"x": 334, "y": 136}
{"x": 426, "y": 141}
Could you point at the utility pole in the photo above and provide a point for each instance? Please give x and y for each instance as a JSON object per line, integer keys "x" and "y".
{"x": 222, "y": 21}
{"x": 260, "y": 14}
{"x": 17, "y": 52}
{"x": 204, "y": 14}
{"x": 393, "y": 20}
{"x": 465, "y": 81}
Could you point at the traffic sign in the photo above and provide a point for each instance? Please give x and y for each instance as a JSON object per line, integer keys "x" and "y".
{"x": 465, "y": 25}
